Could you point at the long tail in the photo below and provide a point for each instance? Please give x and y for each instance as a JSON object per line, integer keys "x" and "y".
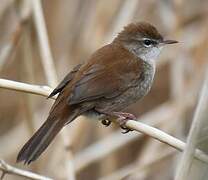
{"x": 43, "y": 137}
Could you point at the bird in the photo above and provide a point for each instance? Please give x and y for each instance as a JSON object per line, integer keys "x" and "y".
{"x": 114, "y": 77}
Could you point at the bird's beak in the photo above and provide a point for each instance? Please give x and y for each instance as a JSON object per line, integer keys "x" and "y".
{"x": 169, "y": 42}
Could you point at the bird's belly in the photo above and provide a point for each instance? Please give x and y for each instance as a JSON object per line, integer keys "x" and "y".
{"x": 127, "y": 98}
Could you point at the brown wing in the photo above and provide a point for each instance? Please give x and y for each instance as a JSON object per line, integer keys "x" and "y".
{"x": 110, "y": 71}
{"x": 65, "y": 81}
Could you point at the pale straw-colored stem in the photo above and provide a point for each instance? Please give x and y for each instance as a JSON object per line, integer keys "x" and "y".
{"x": 46, "y": 55}
{"x": 135, "y": 125}
{"x": 190, "y": 149}
{"x": 8, "y": 169}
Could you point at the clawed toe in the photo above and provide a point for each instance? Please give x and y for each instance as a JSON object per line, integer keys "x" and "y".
{"x": 122, "y": 119}
{"x": 122, "y": 123}
{"x": 126, "y": 131}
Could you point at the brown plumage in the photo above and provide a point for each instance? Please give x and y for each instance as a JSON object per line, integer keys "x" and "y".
{"x": 113, "y": 78}
{"x": 145, "y": 29}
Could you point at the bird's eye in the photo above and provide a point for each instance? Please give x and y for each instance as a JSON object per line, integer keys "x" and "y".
{"x": 147, "y": 42}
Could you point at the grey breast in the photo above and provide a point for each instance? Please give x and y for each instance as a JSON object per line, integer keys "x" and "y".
{"x": 133, "y": 94}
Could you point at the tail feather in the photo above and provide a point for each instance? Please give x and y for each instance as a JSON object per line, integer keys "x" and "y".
{"x": 42, "y": 138}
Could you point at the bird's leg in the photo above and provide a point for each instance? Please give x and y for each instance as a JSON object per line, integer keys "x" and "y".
{"x": 122, "y": 119}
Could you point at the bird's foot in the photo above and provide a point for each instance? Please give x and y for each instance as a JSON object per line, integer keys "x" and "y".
{"x": 122, "y": 119}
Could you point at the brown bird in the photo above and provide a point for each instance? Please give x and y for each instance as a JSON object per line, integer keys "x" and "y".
{"x": 114, "y": 77}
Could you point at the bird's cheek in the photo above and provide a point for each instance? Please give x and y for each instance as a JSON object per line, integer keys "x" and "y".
{"x": 153, "y": 53}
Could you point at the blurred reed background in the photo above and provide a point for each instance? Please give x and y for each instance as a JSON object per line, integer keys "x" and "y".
{"x": 75, "y": 29}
